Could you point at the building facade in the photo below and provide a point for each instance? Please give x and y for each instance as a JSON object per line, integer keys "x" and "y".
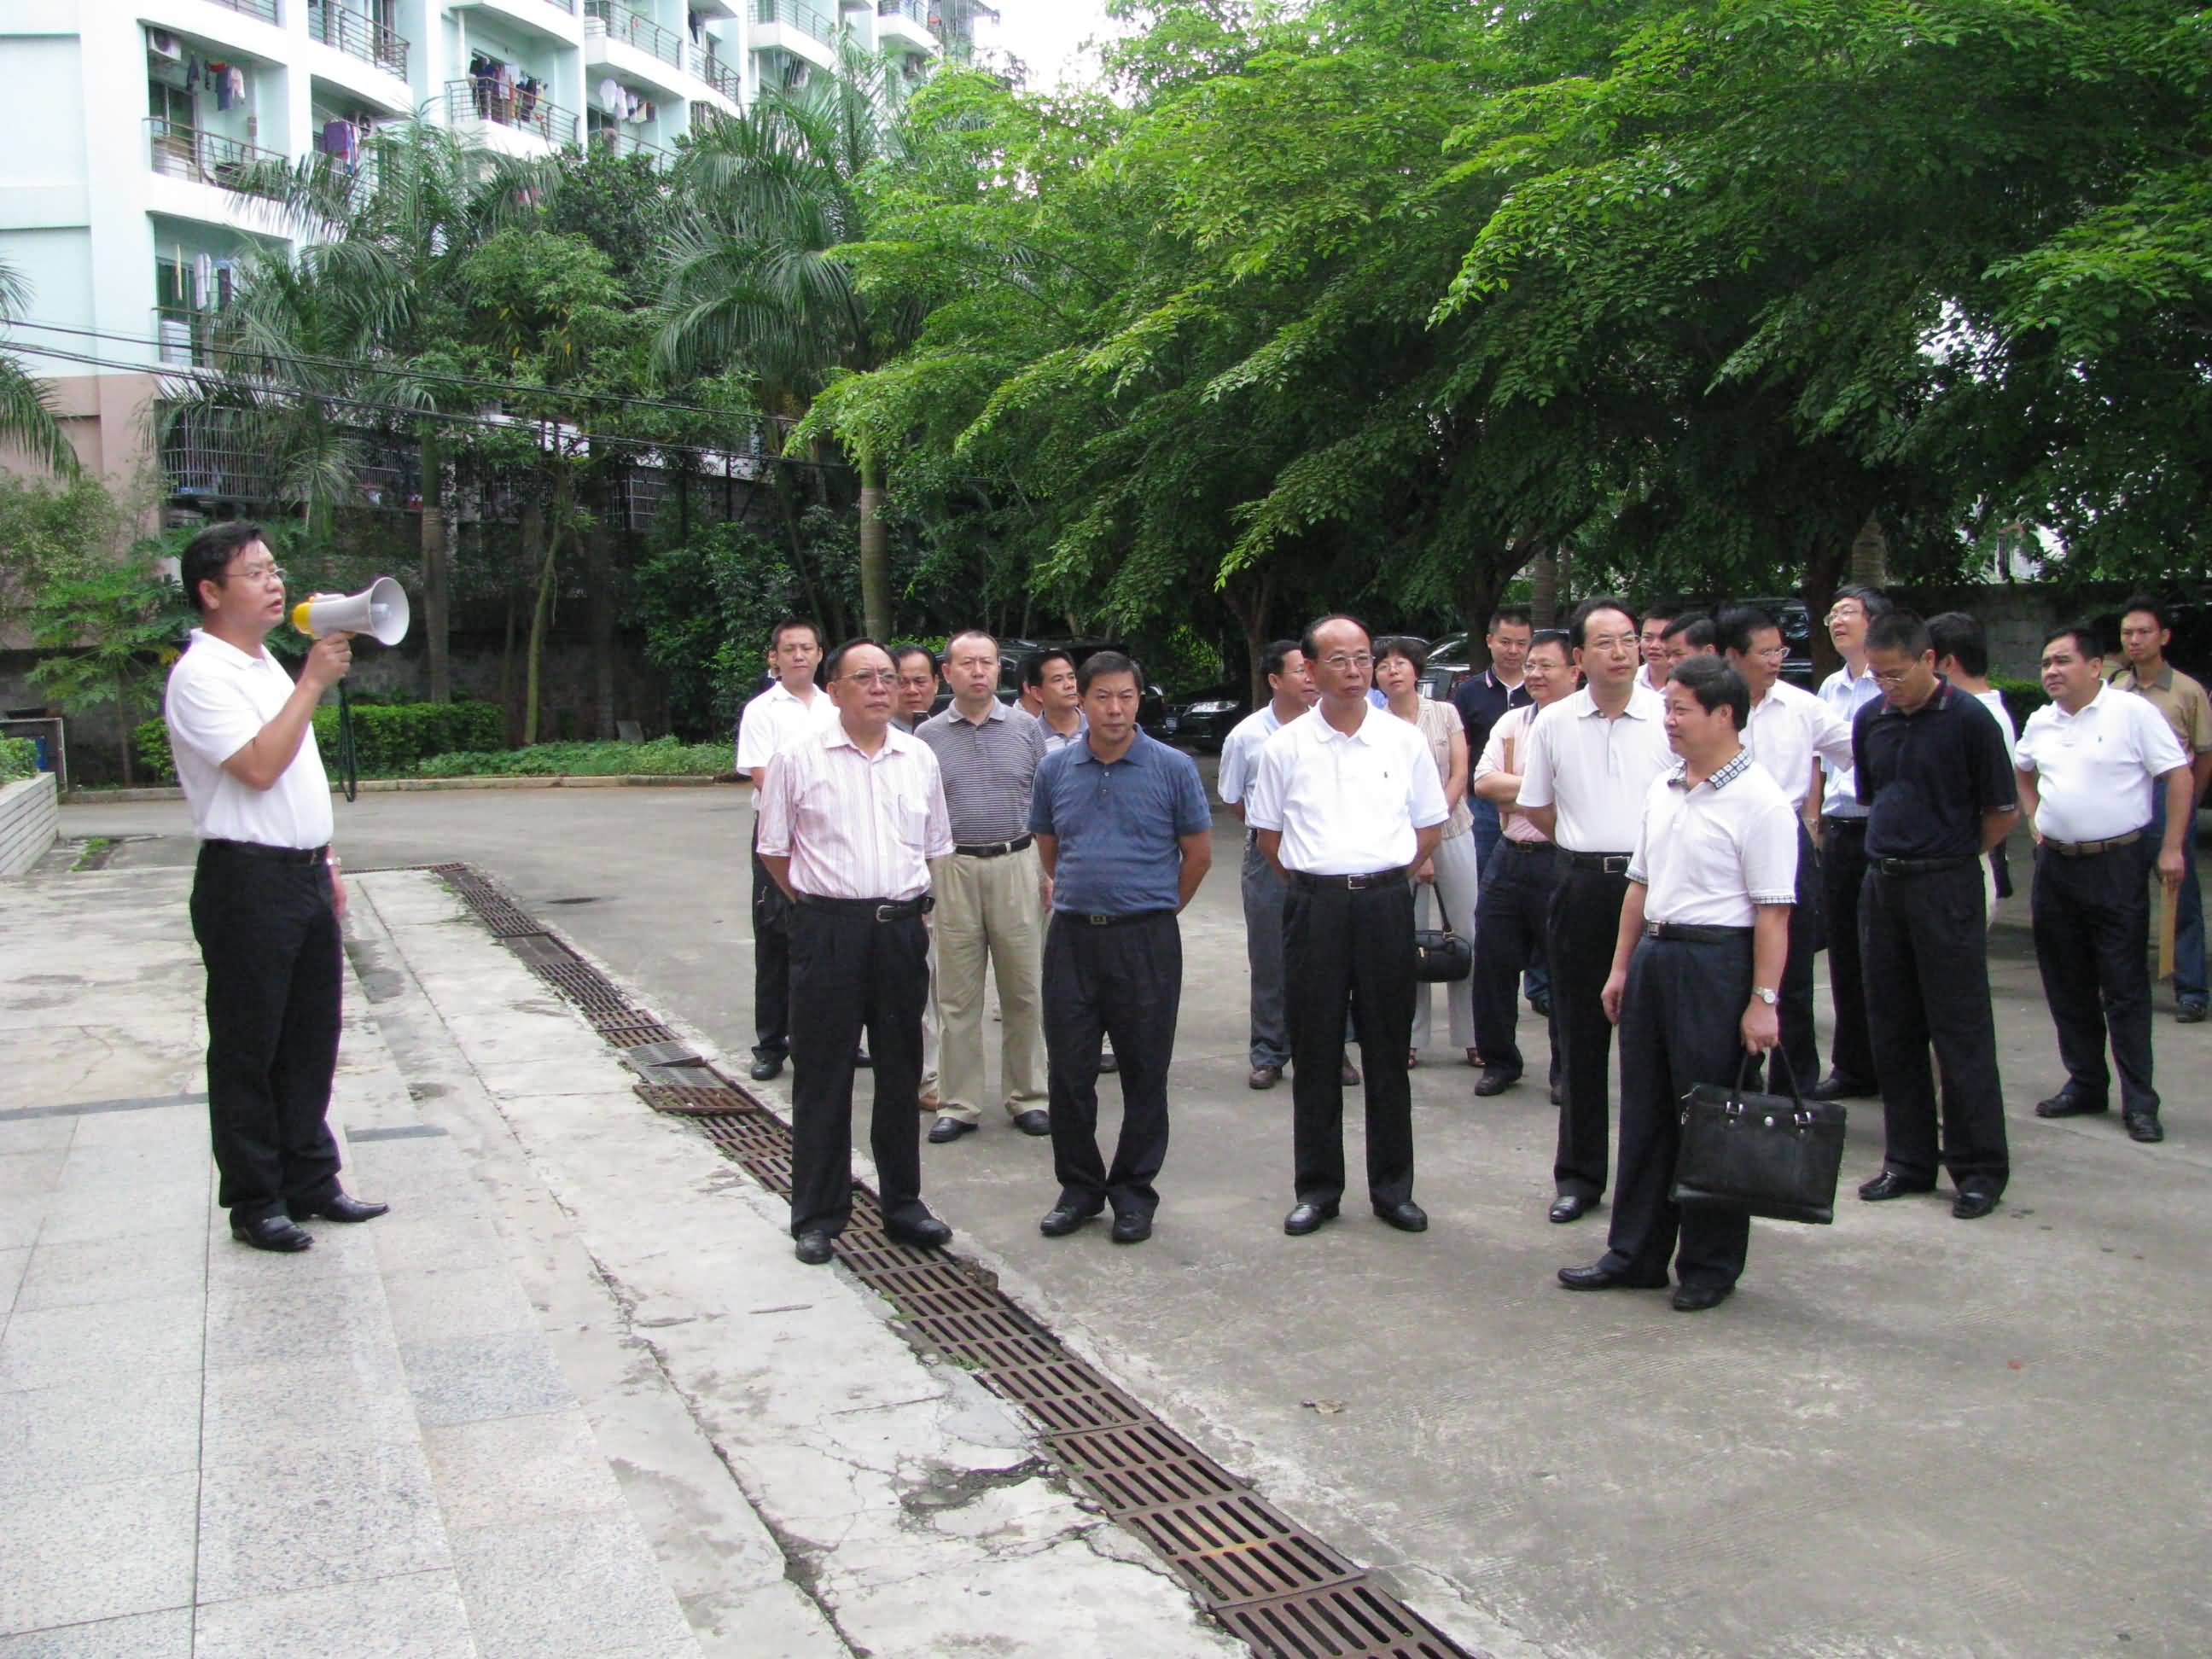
{"x": 134, "y": 123}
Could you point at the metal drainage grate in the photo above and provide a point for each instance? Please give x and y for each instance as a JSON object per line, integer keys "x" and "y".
{"x": 1277, "y": 1588}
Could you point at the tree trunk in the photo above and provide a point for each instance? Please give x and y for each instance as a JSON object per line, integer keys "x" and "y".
{"x": 599, "y": 585}
{"x": 1870, "y": 554}
{"x": 541, "y": 616}
{"x": 1250, "y": 600}
{"x": 129, "y": 733}
{"x": 783, "y": 492}
{"x": 533, "y": 555}
{"x": 1544, "y": 594}
{"x": 437, "y": 607}
{"x": 875, "y": 551}
{"x": 1824, "y": 573}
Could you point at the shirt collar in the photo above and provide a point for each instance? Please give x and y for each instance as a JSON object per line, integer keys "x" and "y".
{"x": 1721, "y": 776}
{"x": 998, "y": 712}
{"x": 200, "y": 637}
{"x": 2096, "y": 697}
{"x": 896, "y": 741}
{"x": 1328, "y": 733}
{"x": 780, "y": 689}
{"x": 1643, "y": 702}
{"x": 1085, "y": 755}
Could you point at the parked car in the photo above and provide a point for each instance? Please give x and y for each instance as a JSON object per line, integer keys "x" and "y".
{"x": 1797, "y": 624}
{"x": 1205, "y": 718}
{"x": 1448, "y": 666}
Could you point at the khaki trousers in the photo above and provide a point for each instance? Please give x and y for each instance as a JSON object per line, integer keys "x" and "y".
{"x": 989, "y": 911}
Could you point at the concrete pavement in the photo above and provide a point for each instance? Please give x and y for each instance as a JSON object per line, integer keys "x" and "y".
{"x": 1906, "y": 1435}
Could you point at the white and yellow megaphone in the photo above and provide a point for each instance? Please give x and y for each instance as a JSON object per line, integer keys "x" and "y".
{"x": 379, "y": 610}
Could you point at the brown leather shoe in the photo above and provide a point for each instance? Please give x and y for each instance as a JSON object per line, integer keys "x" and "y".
{"x": 1264, "y": 1076}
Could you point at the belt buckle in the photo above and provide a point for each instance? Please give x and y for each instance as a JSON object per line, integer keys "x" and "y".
{"x": 1651, "y": 929}
{"x": 1098, "y": 922}
{"x": 1358, "y": 884}
{"x": 1615, "y": 865}
{"x": 888, "y": 912}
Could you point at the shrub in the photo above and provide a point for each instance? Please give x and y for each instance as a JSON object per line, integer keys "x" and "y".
{"x": 2021, "y": 698}
{"x": 662, "y": 757}
{"x": 390, "y": 739}
{"x": 19, "y": 758}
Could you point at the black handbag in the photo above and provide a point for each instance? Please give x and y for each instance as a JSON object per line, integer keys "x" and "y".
{"x": 1776, "y": 1156}
{"x": 1441, "y": 956}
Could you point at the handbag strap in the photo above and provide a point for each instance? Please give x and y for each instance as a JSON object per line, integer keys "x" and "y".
{"x": 1782, "y": 1063}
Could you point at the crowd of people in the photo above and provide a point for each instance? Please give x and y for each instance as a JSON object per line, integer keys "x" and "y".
{"x": 1635, "y": 821}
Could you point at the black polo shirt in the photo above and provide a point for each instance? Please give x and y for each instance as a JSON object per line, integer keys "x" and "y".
{"x": 1481, "y": 701}
{"x": 1926, "y": 778}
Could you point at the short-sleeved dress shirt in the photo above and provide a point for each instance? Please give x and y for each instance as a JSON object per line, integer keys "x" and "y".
{"x": 855, "y": 825}
{"x": 1709, "y": 854}
{"x": 217, "y": 701}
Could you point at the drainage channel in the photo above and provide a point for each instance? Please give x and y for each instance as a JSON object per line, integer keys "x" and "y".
{"x": 1264, "y": 1579}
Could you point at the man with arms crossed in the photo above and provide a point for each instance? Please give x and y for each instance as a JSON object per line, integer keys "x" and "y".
{"x": 1125, "y": 835}
{"x": 2090, "y": 763}
{"x": 1347, "y": 803}
{"x": 990, "y": 896}
{"x": 1483, "y": 700}
{"x": 848, "y": 822}
{"x": 1930, "y": 769}
{"x": 1291, "y": 694}
{"x": 2144, "y": 636}
{"x": 1523, "y": 875}
{"x": 1591, "y": 760}
{"x": 1704, "y": 932}
{"x": 791, "y": 709}
{"x": 267, "y": 899}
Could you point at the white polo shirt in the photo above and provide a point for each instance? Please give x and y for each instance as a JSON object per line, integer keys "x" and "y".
{"x": 218, "y": 700}
{"x": 1709, "y": 854}
{"x": 1787, "y": 730}
{"x": 1597, "y": 771}
{"x": 1240, "y": 753}
{"x": 2094, "y": 770}
{"x": 1994, "y": 701}
{"x": 856, "y": 826}
{"x": 1345, "y": 804}
{"x": 775, "y": 719}
{"x": 1845, "y": 696}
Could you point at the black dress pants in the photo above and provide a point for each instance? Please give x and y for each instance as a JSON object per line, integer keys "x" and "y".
{"x": 2089, "y": 917}
{"x": 771, "y": 965}
{"x": 1680, "y": 1020}
{"x": 1585, "y": 926}
{"x": 1801, "y": 1047}
{"x": 1124, "y": 981}
{"x": 270, "y": 940}
{"x": 849, "y": 971}
{"x": 1517, "y": 884}
{"x": 1843, "y": 873}
{"x": 1923, "y": 950}
{"x": 1343, "y": 946}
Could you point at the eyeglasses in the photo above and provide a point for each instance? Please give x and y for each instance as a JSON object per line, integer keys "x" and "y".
{"x": 260, "y": 573}
{"x": 1341, "y": 661}
{"x": 1610, "y": 642}
{"x": 1846, "y": 612}
{"x": 883, "y": 677}
{"x": 1892, "y": 676}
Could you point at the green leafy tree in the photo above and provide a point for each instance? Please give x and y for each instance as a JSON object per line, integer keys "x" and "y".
{"x": 28, "y": 421}
{"x": 111, "y": 633}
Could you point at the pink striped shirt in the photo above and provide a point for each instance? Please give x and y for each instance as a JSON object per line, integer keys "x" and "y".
{"x": 855, "y": 826}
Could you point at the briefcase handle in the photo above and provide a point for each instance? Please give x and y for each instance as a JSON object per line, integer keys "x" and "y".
{"x": 1781, "y": 1060}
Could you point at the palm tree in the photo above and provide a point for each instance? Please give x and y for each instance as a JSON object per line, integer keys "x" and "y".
{"x": 27, "y": 420}
{"x": 754, "y": 284}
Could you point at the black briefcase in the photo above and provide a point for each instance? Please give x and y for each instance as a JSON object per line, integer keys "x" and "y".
{"x": 1776, "y": 1156}
{"x": 1441, "y": 956}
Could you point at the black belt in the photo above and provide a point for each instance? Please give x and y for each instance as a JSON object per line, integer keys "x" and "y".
{"x": 1077, "y": 917}
{"x": 1922, "y": 867}
{"x": 881, "y": 909}
{"x": 2089, "y": 849}
{"x": 1360, "y": 883}
{"x": 1528, "y": 848}
{"x": 994, "y": 849}
{"x": 1612, "y": 864}
{"x": 254, "y": 849}
{"x": 1854, "y": 826}
{"x": 1691, "y": 932}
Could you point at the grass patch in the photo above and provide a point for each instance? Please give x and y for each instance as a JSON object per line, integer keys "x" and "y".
{"x": 93, "y": 854}
{"x": 662, "y": 757}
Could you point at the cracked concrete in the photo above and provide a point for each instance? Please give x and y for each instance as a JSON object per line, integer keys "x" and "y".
{"x": 886, "y": 1494}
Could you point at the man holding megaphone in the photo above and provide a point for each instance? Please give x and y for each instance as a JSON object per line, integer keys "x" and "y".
{"x": 267, "y": 897}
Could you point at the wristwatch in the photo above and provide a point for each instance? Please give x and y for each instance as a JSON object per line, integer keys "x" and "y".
{"x": 1767, "y": 993}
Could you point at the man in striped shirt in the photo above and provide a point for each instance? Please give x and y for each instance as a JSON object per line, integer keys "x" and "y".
{"x": 849, "y": 818}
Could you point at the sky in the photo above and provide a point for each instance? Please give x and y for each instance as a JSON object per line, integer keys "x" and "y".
{"x": 1046, "y": 35}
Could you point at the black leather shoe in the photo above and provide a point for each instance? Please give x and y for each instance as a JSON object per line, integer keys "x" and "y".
{"x": 928, "y": 1234}
{"x": 1064, "y": 1218}
{"x": 2142, "y": 1126}
{"x": 1541, "y": 1006}
{"x": 2067, "y": 1103}
{"x": 1107, "y": 1062}
{"x": 271, "y": 1232}
{"x": 1696, "y": 1298}
{"x": 1307, "y": 1218}
{"x": 949, "y": 1129}
{"x": 1133, "y": 1227}
{"x": 1495, "y": 1080}
{"x": 1559, "y": 1095}
{"x": 340, "y": 1206}
{"x": 1599, "y": 1277}
{"x": 762, "y": 1070}
{"x": 2189, "y": 1013}
{"x": 1033, "y": 1121}
{"x": 861, "y": 1062}
{"x": 1406, "y": 1218}
{"x": 1837, "y": 1086}
{"x": 1570, "y": 1207}
{"x": 1974, "y": 1203}
{"x": 1890, "y": 1184}
{"x": 811, "y": 1248}
{"x": 1350, "y": 1074}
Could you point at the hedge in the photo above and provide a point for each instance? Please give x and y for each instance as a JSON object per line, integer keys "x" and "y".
{"x": 390, "y": 739}
{"x": 19, "y": 758}
{"x": 662, "y": 757}
{"x": 2021, "y": 698}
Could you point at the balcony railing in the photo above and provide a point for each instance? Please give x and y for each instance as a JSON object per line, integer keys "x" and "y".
{"x": 190, "y": 338}
{"x": 798, "y": 15}
{"x": 183, "y": 152}
{"x": 480, "y": 99}
{"x": 613, "y": 141}
{"x": 266, "y": 10}
{"x": 911, "y": 9}
{"x": 635, "y": 30}
{"x": 361, "y": 37}
{"x": 703, "y": 63}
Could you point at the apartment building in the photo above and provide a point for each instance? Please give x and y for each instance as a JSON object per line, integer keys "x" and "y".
{"x": 133, "y": 122}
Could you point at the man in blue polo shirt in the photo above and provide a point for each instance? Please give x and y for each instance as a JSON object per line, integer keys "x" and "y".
{"x": 1125, "y": 835}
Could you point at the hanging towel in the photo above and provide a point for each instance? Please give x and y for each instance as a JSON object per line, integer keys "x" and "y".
{"x": 610, "y": 94}
{"x": 191, "y": 72}
{"x": 203, "y": 280}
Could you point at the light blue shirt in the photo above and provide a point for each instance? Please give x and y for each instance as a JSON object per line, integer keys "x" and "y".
{"x": 1839, "y": 795}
